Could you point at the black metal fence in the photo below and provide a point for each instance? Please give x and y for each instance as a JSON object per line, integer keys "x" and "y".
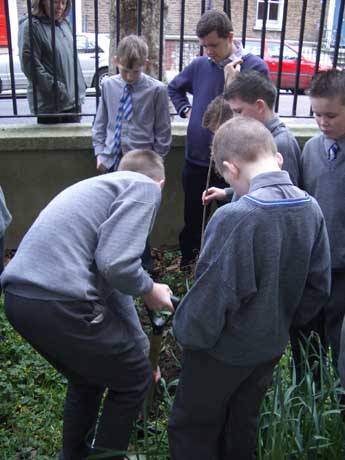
{"x": 13, "y": 94}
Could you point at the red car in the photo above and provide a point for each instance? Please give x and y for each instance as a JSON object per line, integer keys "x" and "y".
{"x": 289, "y": 67}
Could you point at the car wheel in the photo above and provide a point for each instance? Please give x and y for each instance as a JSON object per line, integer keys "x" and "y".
{"x": 102, "y": 74}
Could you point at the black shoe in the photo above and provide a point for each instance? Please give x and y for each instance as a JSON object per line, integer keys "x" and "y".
{"x": 187, "y": 264}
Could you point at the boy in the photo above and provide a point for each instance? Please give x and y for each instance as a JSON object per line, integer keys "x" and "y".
{"x": 68, "y": 292}
{"x": 133, "y": 111}
{"x": 264, "y": 265}
{"x": 218, "y": 112}
{"x": 252, "y": 95}
{"x": 204, "y": 79}
{"x": 323, "y": 173}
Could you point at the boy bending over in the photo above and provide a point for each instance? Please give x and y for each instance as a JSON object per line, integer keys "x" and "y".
{"x": 68, "y": 293}
{"x": 265, "y": 265}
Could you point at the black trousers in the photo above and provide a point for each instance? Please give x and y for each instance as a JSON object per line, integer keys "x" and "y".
{"x": 194, "y": 179}
{"x": 327, "y": 324}
{"x": 84, "y": 342}
{"x": 216, "y": 409}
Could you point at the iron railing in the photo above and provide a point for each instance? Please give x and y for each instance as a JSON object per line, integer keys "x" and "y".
{"x": 181, "y": 37}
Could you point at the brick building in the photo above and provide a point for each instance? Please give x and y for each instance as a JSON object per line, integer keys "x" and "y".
{"x": 85, "y": 21}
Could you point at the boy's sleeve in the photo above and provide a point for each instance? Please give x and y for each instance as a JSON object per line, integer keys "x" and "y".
{"x": 318, "y": 283}
{"x": 99, "y": 128}
{"x": 122, "y": 238}
{"x": 179, "y": 87}
{"x": 162, "y": 126}
{"x": 288, "y": 147}
{"x": 202, "y": 314}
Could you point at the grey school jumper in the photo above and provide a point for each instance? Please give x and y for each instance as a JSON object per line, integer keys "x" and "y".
{"x": 288, "y": 146}
{"x": 325, "y": 180}
{"x": 87, "y": 243}
{"x": 264, "y": 266}
{"x": 67, "y": 292}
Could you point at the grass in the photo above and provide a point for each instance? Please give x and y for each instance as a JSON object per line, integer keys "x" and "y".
{"x": 299, "y": 421}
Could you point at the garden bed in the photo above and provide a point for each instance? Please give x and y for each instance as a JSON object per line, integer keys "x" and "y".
{"x": 298, "y": 421}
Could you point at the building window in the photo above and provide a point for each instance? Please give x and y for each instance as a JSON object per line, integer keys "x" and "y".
{"x": 274, "y": 14}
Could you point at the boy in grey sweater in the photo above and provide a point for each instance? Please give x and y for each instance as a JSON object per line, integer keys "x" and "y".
{"x": 252, "y": 95}
{"x": 68, "y": 291}
{"x": 265, "y": 265}
{"x": 323, "y": 176}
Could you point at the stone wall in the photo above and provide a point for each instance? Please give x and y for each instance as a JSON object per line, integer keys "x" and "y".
{"x": 43, "y": 160}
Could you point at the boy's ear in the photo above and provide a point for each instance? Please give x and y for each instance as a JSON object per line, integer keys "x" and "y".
{"x": 280, "y": 160}
{"x": 232, "y": 169}
{"x": 261, "y": 105}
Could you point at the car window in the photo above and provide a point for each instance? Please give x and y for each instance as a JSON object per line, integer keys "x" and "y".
{"x": 288, "y": 53}
{"x": 81, "y": 43}
{"x": 253, "y": 47}
{"x": 87, "y": 45}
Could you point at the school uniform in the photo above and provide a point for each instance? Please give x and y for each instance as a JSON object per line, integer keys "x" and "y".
{"x": 265, "y": 265}
{"x": 68, "y": 291}
{"x": 287, "y": 146}
{"x": 149, "y": 126}
{"x": 323, "y": 178}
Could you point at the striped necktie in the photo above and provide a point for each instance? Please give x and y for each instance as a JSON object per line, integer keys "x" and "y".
{"x": 333, "y": 151}
{"x": 125, "y": 112}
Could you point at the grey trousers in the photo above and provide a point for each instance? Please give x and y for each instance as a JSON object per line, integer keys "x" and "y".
{"x": 216, "y": 409}
{"x": 95, "y": 354}
{"x": 334, "y": 313}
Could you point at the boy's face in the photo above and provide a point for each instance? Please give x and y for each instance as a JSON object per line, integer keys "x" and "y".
{"x": 239, "y": 107}
{"x": 216, "y": 47}
{"x": 131, "y": 75}
{"x": 329, "y": 114}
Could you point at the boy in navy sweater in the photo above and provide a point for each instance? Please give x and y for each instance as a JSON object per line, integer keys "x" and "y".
{"x": 265, "y": 265}
{"x": 204, "y": 79}
{"x": 323, "y": 176}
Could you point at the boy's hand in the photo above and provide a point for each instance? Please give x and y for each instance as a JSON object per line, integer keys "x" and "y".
{"x": 213, "y": 193}
{"x": 156, "y": 375}
{"x": 100, "y": 166}
{"x": 159, "y": 297}
{"x": 231, "y": 70}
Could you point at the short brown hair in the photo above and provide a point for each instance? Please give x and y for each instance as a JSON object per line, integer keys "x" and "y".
{"x": 38, "y": 10}
{"x": 218, "y": 112}
{"x": 250, "y": 86}
{"x": 143, "y": 161}
{"x": 243, "y": 138}
{"x": 330, "y": 84}
{"x": 214, "y": 21}
{"x": 132, "y": 50}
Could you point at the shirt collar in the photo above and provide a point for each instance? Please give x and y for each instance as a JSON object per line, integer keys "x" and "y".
{"x": 269, "y": 179}
{"x": 328, "y": 142}
{"x": 237, "y": 52}
{"x": 133, "y": 85}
